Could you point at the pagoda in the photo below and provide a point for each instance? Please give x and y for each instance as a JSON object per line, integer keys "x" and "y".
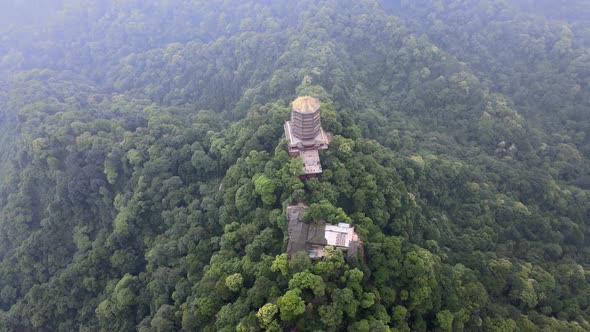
{"x": 305, "y": 134}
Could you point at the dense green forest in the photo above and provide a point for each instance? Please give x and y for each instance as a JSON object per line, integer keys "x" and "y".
{"x": 144, "y": 173}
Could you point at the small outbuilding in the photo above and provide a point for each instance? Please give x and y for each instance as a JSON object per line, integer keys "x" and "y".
{"x": 313, "y": 238}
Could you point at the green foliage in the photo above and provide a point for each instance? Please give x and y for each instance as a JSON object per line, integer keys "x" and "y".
{"x": 291, "y": 305}
{"x": 325, "y": 211}
{"x": 234, "y": 282}
{"x": 265, "y": 187}
{"x": 144, "y": 173}
{"x": 266, "y": 315}
{"x": 281, "y": 263}
{"x": 445, "y": 320}
{"x": 303, "y": 280}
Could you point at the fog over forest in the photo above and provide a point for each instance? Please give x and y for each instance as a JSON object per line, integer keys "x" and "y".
{"x": 149, "y": 180}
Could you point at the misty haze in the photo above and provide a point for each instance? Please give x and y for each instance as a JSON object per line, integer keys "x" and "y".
{"x": 258, "y": 165}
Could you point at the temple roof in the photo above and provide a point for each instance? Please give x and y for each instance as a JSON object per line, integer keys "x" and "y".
{"x": 313, "y": 237}
{"x": 306, "y": 104}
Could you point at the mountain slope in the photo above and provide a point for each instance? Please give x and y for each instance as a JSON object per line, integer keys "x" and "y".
{"x": 149, "y": 175}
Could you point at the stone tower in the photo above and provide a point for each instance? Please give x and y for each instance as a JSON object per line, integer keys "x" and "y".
{"x": 305, "y": 118}
{"x": 306, "y": 135}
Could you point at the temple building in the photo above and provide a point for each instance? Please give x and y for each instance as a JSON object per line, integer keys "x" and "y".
{"x": 306, "y": 138}
{"x": 306, "y": 135}
{"x": 313, "y": 238}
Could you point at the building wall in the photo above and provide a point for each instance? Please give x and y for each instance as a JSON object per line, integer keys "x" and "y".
{"x": 306, "y": 126}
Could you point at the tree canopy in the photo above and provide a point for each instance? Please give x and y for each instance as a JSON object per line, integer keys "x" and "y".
{"x": 144, "y": 173}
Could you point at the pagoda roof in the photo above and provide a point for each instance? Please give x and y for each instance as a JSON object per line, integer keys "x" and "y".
{"x": 306, "y": 104}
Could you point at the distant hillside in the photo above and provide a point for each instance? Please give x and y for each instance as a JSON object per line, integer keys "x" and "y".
{"x": 144, "y": 172}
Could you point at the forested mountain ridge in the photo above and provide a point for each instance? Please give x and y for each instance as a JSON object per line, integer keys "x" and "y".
{"x": 538, "y": 63}
{"x": 148, "y": 177}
